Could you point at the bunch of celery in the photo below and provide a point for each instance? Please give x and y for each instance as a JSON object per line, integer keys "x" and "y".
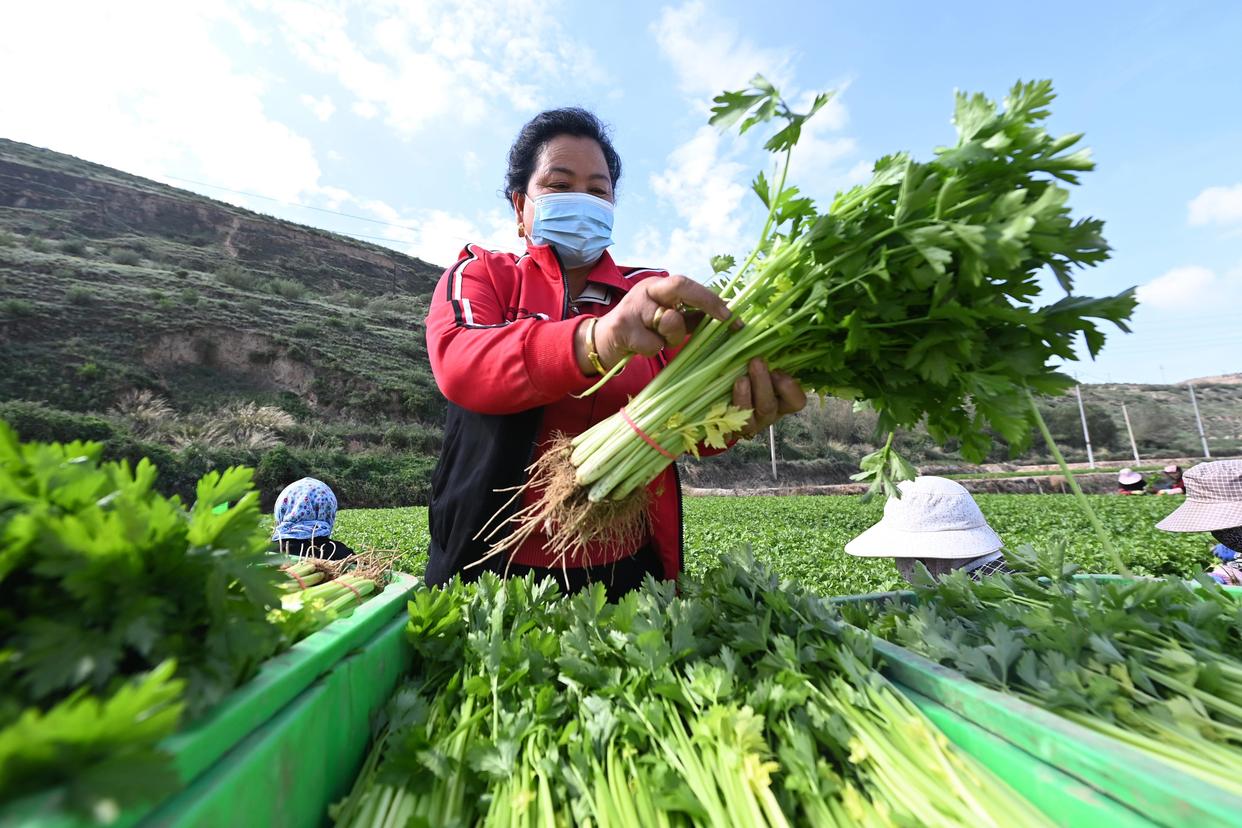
{"x": 743, "y": 702}
{"x": 917, "y": 293}
{"x": 329, "y": 588}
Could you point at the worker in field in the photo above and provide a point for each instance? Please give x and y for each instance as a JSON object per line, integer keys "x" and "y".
{"x": 514, "y": 340}
{"x": 305, "y": 516}
{"x": 1130, "y": 482}
{"x": 1175, "y": 485}
{"x": 1214, "y": 504}
{"x": 937, "y": 524}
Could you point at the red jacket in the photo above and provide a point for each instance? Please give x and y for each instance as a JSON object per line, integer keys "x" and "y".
{"x": 500, "y": 334}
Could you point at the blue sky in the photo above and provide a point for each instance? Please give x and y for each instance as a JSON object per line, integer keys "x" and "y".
{"x": 401, "y": 113}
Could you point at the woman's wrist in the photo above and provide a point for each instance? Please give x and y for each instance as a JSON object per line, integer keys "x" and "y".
{"x": 584, "y": 346}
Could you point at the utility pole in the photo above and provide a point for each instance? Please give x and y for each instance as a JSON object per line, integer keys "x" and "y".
{"x": 1199, "y": 421}
{"x": 772, "y": 449}
{"x": 1086, "y": 435}
{"x": 1130, "y": 431}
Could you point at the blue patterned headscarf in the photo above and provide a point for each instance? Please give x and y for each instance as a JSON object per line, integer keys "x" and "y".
{"x": 305, "y": 509}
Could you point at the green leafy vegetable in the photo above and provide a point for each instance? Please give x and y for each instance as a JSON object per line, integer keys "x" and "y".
{"x": 122, "y": 610}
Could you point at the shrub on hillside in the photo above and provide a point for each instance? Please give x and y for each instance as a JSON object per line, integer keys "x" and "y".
{"x": 413, "y": 346}
{"x": 14, "y": 308}
{"x": 366, "y": 480}
{"x": 124, "y": 256}
{"x": 246, "y": 425}
{"x": 305, "y": 330}
{"x": 36, "y": 421}
{"x": 189, "y": 297}
{"x": 414, "y": 437}
{"x": 74, "y": 247}
{"x": 392, "y": 308}
{"x": 38, "y": 244}
{"x": 148, "y": 415}
{"x": 240, "y": 278}
{"x": 287, "y": 288}
{"x": 7, "y": 239}
{"x": 357, "y": 301}
{"x": 79, "y": 295}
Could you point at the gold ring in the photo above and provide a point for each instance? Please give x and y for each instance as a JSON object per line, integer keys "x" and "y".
{"x": 655, "y": 320}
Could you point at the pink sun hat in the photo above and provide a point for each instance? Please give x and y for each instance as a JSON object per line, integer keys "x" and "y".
{"x": 1213, "y": 499}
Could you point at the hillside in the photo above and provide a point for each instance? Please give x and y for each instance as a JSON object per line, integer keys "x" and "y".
{"x": 110, "y": 283}
{"x": 1223, "y": 379}
{"x": 158, "y": 287}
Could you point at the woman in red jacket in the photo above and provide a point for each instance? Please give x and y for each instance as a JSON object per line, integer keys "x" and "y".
{"x": 512, "y": 339}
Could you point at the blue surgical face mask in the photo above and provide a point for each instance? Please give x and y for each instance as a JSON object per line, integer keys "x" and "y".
{"x": 577, "y": 225}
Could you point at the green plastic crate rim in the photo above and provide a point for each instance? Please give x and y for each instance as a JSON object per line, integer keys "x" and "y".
{"x": 278, "y": 682}
{"x": 1065, "y": 800}
{"x": 1146, "y": 786}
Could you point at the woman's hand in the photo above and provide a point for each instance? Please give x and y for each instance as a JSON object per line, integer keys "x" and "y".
{"x": 652, "y": 316}
{"x": 769, "y": 394}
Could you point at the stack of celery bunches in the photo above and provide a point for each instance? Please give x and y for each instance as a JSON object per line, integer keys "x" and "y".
{"x": 739, "y": 700}
{"x": 917, "y": 294}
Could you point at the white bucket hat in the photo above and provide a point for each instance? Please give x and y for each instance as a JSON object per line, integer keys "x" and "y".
{"x": 1128, "y": 476}
{"x": 934, "y": 518}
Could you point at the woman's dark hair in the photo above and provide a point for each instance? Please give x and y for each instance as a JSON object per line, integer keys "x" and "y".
{"x": 541, "y": 129}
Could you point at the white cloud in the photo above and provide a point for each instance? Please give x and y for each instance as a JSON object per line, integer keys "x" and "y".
{"x": 144, "y": 87}
{"x": 709, "y": 55}
{"x": 436, "y": 236}
{"x": 321, "y": 108}
{"x": 860, "y": 173}
{"x": 1191, "y": 287}
{"x": 705, "y": 190}
{"x": 419, "y": 63}
{"x": 1217, "y": 205}
{"x": 365, "y": 109}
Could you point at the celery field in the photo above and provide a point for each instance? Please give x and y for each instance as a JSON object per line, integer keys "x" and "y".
{"x": 803, "y": 537}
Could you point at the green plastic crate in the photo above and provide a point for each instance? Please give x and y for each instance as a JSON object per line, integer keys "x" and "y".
{"x": 345, "y": 672}
{"x": 1150, "y": 790}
